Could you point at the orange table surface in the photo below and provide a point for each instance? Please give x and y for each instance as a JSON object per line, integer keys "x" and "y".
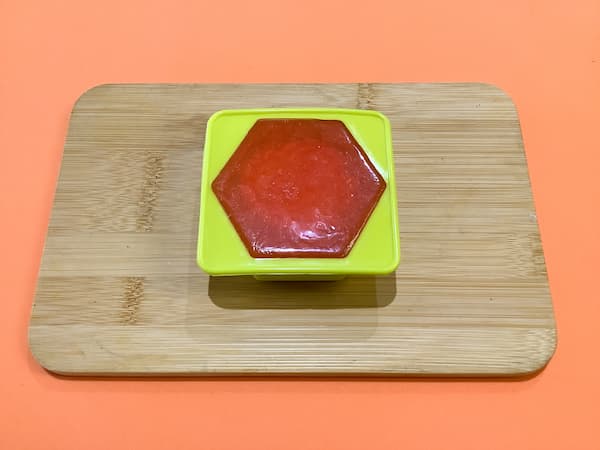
{"x": 546, "y": 55}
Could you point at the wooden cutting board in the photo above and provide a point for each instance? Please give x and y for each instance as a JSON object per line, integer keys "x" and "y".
{"x": 119, "y": 291}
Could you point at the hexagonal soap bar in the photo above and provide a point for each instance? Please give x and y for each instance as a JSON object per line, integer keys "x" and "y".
{"x": 298, "y": 188}
{"x": 303, "y": 192}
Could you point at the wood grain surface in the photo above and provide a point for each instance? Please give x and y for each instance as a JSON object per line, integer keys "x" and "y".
{"x": 119, "y": 291}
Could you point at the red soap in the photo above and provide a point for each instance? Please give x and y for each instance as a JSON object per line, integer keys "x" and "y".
{"x": 299, "y": 188}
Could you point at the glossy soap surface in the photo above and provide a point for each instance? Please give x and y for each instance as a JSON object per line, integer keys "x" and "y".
{"x": 298, "y": 188}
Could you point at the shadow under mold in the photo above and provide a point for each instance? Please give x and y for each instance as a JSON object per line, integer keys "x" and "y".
{"x": 245, "y": 292}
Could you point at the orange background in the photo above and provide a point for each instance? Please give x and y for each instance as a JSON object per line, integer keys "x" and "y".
{"x": 546, "y": 54}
